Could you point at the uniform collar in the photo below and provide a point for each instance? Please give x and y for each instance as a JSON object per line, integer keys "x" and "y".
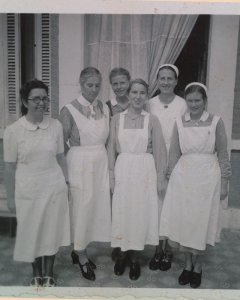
{"x": 203, "y": 118}
{"x": 32, "y": 127}
{"x": 84, "y": 102}
{"x": 143, "y": 112}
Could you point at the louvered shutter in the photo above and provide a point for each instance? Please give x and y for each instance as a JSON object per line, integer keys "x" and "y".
{"x": 13, "y": 68}
{"x": 43, "y": 53}
{"x": 46, "y": 61}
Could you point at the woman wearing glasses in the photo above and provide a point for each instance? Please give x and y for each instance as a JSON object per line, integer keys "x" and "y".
{"x": 36, "y": 173}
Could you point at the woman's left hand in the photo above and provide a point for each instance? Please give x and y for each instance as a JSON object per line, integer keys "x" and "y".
{"x": 224, "y": 189}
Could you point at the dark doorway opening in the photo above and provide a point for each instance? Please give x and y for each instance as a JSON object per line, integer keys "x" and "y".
{"x": 192, "y": 61}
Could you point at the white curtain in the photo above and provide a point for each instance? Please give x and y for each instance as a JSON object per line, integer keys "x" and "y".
{"x": 139, "y": 43}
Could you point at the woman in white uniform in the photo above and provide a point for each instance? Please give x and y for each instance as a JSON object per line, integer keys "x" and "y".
{"x": 119, "y": 79}
{"x": 137, "y": 164}
{"x": 200, "y": 169}
{"x": 166, "y": 106}
{"x": 86, "y": 128}
{"x": 35, "y": 179}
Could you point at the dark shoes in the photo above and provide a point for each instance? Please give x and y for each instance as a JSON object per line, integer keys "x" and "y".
{"x": 135, "y": 271}
{"x": 119, "y": 267}
{"x": 86, "y": 269}
{"x": 191, "y": 277}
{"x": 166, "y": 261}
{"x": 195, "y": 280}
{"x": 162, "y": 261}
{"x": 184, "y": 278}
{"x": 155, "y": 261}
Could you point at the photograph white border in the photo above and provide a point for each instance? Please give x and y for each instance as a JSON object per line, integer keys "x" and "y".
{"x": 118, "y": 7}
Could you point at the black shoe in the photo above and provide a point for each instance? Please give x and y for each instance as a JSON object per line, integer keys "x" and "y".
{"x": 92, "y": 264}
{"x": 119, "y": 267}
{"x": 75, "y": 260}
{"x": 166, "y": 261}
{"x": 184, "y": 278}
{"x": 135, "y": 271}
{"x": 89, "y": 274}
{"x": 195, "y": 279}
{"x": 155, "y": 261}
{"x": 115, "y": 254}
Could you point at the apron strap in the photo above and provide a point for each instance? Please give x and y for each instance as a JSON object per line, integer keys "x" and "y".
{"x": 214, "y": 122}
{"x": 77, "y": 116}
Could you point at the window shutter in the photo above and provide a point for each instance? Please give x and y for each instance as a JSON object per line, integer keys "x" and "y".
{"x": 46, "y": 58}
{"x": 43, "y": 53}
{"x": 13, "y": 68}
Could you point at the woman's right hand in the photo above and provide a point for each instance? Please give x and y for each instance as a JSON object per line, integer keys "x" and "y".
{"x": 11, "y": 205}
{"x": 224, "y": 189}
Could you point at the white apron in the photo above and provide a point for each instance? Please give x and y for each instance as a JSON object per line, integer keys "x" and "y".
{"x": 135, "y": 200}
{"x": 191, "y": 205}
{"x": 167, "y": 116}
{"x": 89, "y": 181}
{"x": 41, "y": 199}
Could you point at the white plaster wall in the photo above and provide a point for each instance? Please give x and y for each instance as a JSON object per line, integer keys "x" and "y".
{"x": 222, "y": 61}
{"x": 222, "y": 67}
{"x": 71, "y": 47}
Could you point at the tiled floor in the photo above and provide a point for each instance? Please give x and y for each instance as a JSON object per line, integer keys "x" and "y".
{"x": 221, "y": 268}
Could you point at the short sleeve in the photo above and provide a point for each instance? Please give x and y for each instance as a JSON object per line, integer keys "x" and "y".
{"x": 60, "y": 145}
{"x": 10, "y": 149}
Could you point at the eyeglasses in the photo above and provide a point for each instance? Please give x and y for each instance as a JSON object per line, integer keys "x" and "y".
{"x": 37, "y": 100}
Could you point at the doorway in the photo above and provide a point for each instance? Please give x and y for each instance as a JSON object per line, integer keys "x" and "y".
{"x": 192, "y": 61}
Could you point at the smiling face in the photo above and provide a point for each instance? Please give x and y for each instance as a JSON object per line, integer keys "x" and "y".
{"x": 90, "y": 88}
{"x": 36, "y": 108}
{"x": 137, "y": 96}
{"x": 196, "y": 104}
{"x": 120, "y": 84}
{"x": 167, "y": 81}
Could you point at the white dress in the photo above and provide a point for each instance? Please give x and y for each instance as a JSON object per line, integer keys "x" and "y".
{"x": 89, "y": 181}
{"x": 191, "y": 206}
{"x": 135, "y": 200}
{"x": 41, "y": 193}
{"x": 167, "y": 116}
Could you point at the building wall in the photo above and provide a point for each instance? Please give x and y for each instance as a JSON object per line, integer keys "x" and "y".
{"x": 222, "y": 67}
{"x": 223, "y": 45}
{"x": 71, "y": 48}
